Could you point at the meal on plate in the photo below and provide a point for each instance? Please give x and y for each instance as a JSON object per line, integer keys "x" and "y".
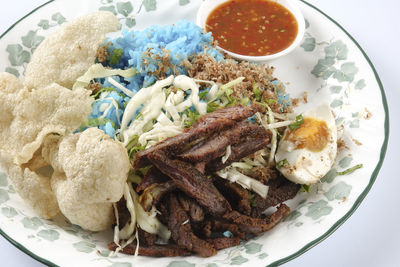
{"x": 157, "y": 135}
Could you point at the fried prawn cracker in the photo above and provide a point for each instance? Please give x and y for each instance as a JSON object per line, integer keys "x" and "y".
{"x": 34, "y": 188}
{"x": 90, "y": 174}
{"x": 38, "y": 113}
{"x": 28, "y": 117}
{"x": 94, "y": 217}
{"x": 70, "y": 51}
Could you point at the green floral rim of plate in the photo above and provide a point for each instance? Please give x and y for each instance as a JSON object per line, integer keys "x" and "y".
{"x": 345, "y": 72}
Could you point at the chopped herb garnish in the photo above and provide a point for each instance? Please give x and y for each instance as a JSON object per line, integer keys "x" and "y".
{"x": 253, "y": 203}
{"x": 231, "y": 100}
{"x": 138, "y": 116}
{"x": 244, "y": 101}
{"x": 212, "y": 106}
{"x": 306, "y": 188}
{"x": 282, "y": 163}
{"x": 203, "y": 94}
{"x": 104, "y": 89}
{"x": 95, "y": 122}
{"x": 350, "y": 170}
{"x": 116, "y": 56}
{"x": 228, "y": 92}
{"x": 99, "y": 121}
{"x": 142, "y": 171}
{"x": 270, "y": 101}
{"x": 133, "y": 146}
{"x": 257, "y": 92}
{"x": 133, "y": 150}
{"x": 278, "y": 133}
{"x": 262, "y": 104}
{"x": 299, "y": 121}
{"x": 192, "y": 117}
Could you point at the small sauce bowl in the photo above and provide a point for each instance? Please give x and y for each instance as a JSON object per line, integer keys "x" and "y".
{"x": 208, "y": 6}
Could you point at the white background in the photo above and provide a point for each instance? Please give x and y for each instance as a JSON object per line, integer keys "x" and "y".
{"x": 371, "y": 236}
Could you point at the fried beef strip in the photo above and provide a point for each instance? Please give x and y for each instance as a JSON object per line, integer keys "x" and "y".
{"x": 238, "y": 152}
{"x": 237, "y": 196}
{"x": 181, "y": 231}
{"x": 224, "y": 242}
{"x": 264, "y": 174}
{"x": 280, "y": 190}
{"x": 216, "y": 145}
{"x": 208, "y": 124}
{"x": 195, "y": 184}
{"x": 153, "y": 175}
{"x": 219, "y": 225}
{"x": 168, "y": 250}
{"x": 163, "y": 209}
{"x": 201, "y": 166}
{"x": 154, "y": 193}
{"x": 146, "y": 239}
{"x": 252, "y": 225}
{"x": 123, "y": 213}
{"x": 190, "y": 205}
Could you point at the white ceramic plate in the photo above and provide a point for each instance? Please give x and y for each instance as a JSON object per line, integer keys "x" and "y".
{"x": 329, "y": 65}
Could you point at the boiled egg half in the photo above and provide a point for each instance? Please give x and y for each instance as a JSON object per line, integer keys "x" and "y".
{"x": 308, "y": 150}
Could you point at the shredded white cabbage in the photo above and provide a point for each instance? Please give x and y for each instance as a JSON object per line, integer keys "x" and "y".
{"x": 221, "y": 90}
{"x": 99, "y": 71}
{"x": 120, "y": 87}
{"x": 278, "y": 124}
{"x": 232, "y": 174}
{"x": 108, "y": 107}
{"x": 128, "y": 230}
{"x": 227, "y": 154}
{"x": 172, "y": 101}
{"x": 284, "y": 116}
{"x": 242, "y": 165}
{"x": 274, "y": 139}
{"x": 185, "y": 83}
{"x": 150, "y": 111}
{"x": 164, "y": 109}
{"x": 116, "y": 227}
{"x": 213, "y": 92}
{"x": 153, "y": 99}
{"x": 148, "y": 220}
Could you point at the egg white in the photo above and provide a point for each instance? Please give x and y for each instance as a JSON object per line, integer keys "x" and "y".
{"x": 305, "y": 166}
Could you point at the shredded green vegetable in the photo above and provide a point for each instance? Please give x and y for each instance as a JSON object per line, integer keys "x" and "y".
{"x": 104, "y": 89}
{"x": 282, "y": 163}
{"x": 203, "y": 94}
{"x": 192, "y": 117}
{"x": 299, "y": 121}
{"x": 212, "y": 106}
{"x": 262, "y": 104}
{"x": 257, "y": 92}
{"x": 133, "y": 146}
{"x": 94, "y": 122}
{"x": 350, "y": 170}
{"x": 253, "y": 203}
{"x": 231, "y": 100}
{"x": 306, "y": 188}
{"x": 116, "y": 56}
{"x": 99, "y": 121}
{"x": 278, "y": 133}
{"x": 270, "y": 101}
{"x": 244, "y": 101}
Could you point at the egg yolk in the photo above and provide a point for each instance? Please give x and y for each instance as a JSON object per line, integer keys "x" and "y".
{"x": 312, "y": 134}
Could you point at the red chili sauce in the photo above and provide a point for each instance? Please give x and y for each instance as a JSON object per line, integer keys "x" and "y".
{"x": 252, "y": 27}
